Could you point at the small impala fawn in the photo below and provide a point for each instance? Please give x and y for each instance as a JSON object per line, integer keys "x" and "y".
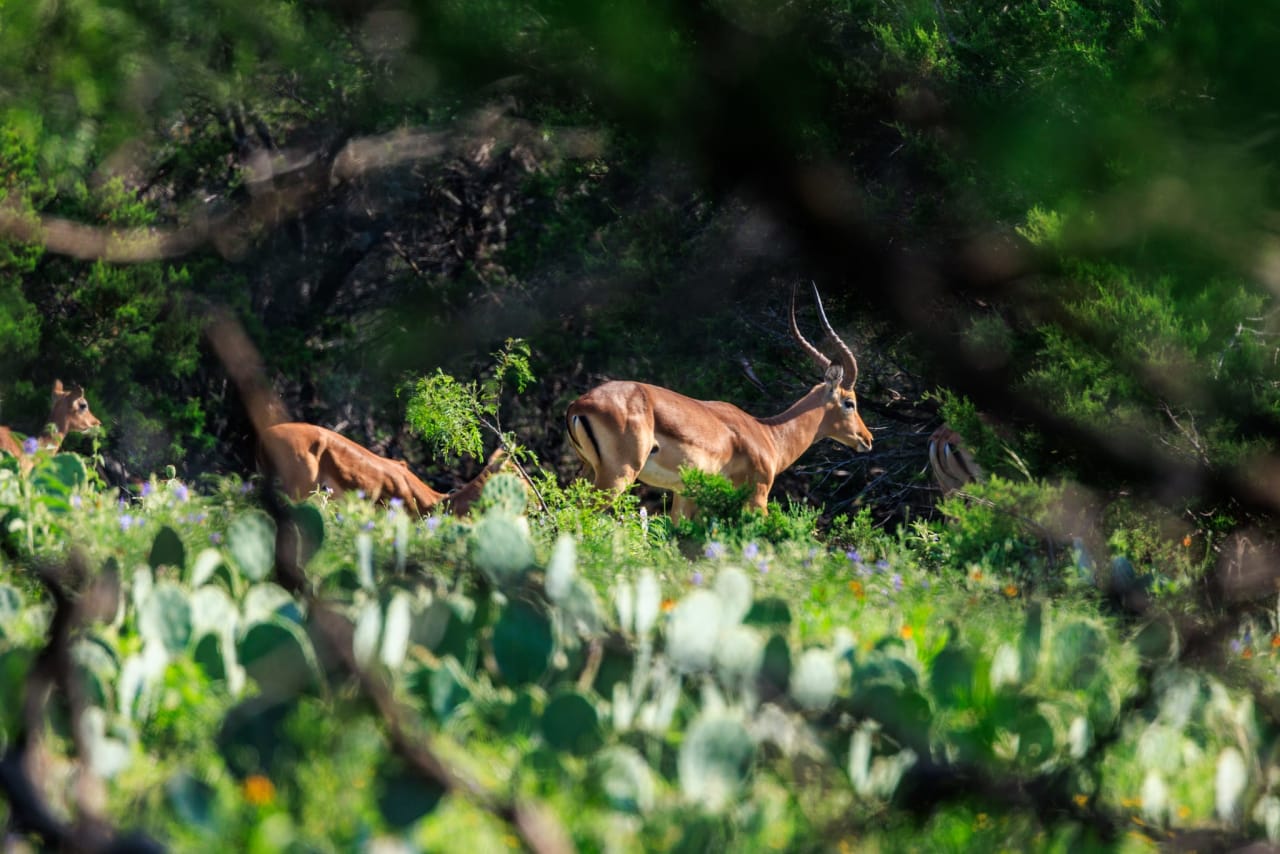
{"x": 69, "y": 413}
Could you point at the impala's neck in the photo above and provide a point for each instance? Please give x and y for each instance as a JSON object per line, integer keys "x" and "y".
{"x": 795, "y": 430}
{"x": 424, "y": 496}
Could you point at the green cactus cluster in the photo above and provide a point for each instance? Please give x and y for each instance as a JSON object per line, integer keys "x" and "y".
{"x": 506, "y": 492}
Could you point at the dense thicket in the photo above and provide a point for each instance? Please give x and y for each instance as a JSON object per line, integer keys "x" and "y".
{"x": 1050, "y": 224}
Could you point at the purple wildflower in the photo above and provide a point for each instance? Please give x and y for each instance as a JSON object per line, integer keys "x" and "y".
{"x": 1237, "y": 646}
{"x": 853, "y": 555}
{"x": 246, "y": 488}
{"x": 714, "y": 550}
{"x": 396, "y": 502}
{"x": 750, "y": 551}
{"x": 897, "y": 581}
{"x": 147, "y": 488}
{"x": 181, "y": 492}
{"x": 433, "y": 522}
{"x": 368, "y": 526}
{"x": 125, "y": 521}
{"x": 644, "y": 520}
{"x": 360, "y": 494}
{"x": 763, "y": 566}
{"x": 215, "y": 538}
{"x": 697, "y": 579}
{"x": 924, "y": 585}
{"x": 75, "y": 501}
{"x": 30, "y": 445}
{"x": 882, "y": 565}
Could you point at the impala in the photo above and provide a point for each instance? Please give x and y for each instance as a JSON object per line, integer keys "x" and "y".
{"x": 953, "y": 466}
{"x": 629, "y": 431}
{"x": 69, "y": 413}
{"x": 306, "y": 457}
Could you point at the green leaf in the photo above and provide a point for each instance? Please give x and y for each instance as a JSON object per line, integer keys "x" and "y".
{"x": 310, "y": 525}
{"x": 251, "y": 539}
{"x": 769, "y": 611}
{"x": 571, "y": 723}
{"x": 396, "y": 627}
{"x": 10, "y": 607}
{"x": 266, "y": 600}
{"x": 165, "y": 617}
{"x": 815, "y": 680}
{"x": 404, "y": 796}
{"x": 714, "y": 759}
{"x": 278, "y": 656}
{"x": 951, "y": 676}
{"x": 167, "y": 550}
{"x": 775, "y": 671}
{"x": 212, "y": 611}
{"x": 59, "y": 474}
{"x": 733, "y": 588}
{"x": 191, "y": 799}
{"x": 694, "y": 630}
{"x": 626, "y": 780}
{"x": 500, "y": 546}
{"x": 253, "y": 733}
{"x": 207, "y": 563}
{"x": 561, "y": 569}
{"x": 96, "y": 669}
{"x": 522, "y": 643}
{"x": 444, "y": 687}
{"x": 208, "y": 656}
{"x": 364, "y": 639}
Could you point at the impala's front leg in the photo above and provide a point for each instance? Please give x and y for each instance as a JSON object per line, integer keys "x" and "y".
{"x": 681, "y": 507}
{"x": 759, "y": 499}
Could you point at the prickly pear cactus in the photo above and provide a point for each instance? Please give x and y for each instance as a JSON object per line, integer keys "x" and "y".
{"x": 500, "y": 546}
{"x": 505, "y": 492}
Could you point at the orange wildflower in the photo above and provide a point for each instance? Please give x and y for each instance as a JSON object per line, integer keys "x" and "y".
{"x": 1247, "y": 652}
{"x": 856, "y": 587}
{"x": 259, "y": 790}
{"x": 906, "y": 632}
{"x": 667, "y": 605}
{"x": 1011, "y": 590}
{"x": 1081, "y": 800}
{"x": 977, "y": 575}
{"x": 1183, "y": 810}
{"x": 1275, "y": 641}
{"x": 1186, "y": 541}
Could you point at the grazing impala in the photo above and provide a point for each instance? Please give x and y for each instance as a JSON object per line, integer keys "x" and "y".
{"x": 306, "y": 457}
{"x": 69, "y": 413}
{"x": 629, "y": 431}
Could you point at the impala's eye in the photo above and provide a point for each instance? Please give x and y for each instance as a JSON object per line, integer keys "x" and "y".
{"x": 850, "y": 404}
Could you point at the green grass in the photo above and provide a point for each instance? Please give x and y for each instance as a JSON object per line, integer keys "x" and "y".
{"x": 986, "y": 666}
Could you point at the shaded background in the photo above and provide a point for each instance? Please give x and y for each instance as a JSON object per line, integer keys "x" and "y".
{"x": 1062, "y": 210}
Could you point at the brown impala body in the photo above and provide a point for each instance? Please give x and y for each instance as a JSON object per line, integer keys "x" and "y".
{"x": 68, "y": 414}
{"x": 306, "y": 457}
{"x": 953, "y": 466}
{"x": 629, "y": 431}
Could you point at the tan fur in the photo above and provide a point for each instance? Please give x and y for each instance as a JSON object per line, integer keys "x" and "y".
{"x": 306, "y": 457}
{"x": 68, "y": 413}
{"x": 647, "y": 433}
{"x": 952, "y": 464}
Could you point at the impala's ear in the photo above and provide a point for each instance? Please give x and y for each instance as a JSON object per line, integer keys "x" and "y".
{"x": 57, "y": 387}
{"x": 834, "y": 375}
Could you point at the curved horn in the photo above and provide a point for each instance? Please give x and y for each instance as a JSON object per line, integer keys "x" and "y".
{"x": 847, "y": 357}
{"x": 823, "y": 361}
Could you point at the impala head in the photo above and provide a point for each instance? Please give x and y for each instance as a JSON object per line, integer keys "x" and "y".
{"x": 70, "y": 411}
{"x": 841, "y": 420}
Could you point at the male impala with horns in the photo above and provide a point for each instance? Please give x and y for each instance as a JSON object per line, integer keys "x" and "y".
{"x": 629, "y": 431}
